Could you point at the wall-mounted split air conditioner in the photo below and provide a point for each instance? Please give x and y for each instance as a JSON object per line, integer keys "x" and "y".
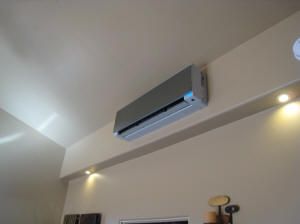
{"x": 175, "y": 98}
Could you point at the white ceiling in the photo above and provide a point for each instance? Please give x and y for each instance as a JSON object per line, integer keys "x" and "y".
{"x": 68, "y": 65}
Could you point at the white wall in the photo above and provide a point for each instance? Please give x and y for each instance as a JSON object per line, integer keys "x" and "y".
{"x": 252, "y": 69}
{"x": 30, "y": 189}
{"x": 254, "y": 160}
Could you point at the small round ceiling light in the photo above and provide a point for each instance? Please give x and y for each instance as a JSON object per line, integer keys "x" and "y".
{"x": 283, "y": 98}
{"x": 87, "y": 172}
{"x": 296, "y": 49}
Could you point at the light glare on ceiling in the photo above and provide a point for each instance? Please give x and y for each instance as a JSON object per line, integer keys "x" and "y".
{"x": 10, "y": 138}
{"x": 47, "y": 122}
{"x": 87, "y": 172}
{"x": 283, "y": 98}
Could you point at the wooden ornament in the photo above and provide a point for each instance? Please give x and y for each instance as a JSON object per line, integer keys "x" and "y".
{"x": 210, "y": 217}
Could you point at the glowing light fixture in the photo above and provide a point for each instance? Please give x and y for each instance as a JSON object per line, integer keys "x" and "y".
{"x": 283, "y": 98}
{"x": 87, "y": 172}
{"x": 296, "y": 49}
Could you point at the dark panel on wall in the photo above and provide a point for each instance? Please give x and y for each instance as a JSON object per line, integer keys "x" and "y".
{"x": 90, "y": 218}
{"x": 71, "y": 219}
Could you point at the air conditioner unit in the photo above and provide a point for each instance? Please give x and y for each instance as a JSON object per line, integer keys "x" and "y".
{"x": 175, "y": 98}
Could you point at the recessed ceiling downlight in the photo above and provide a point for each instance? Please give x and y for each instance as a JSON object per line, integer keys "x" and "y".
{"x": 296, "y": 49}
{"x": 283, "y": 98}
{"x": 87, "y": 172}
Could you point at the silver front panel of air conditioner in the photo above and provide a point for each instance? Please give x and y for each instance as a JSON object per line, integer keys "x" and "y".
{"x": 148, "y": 112}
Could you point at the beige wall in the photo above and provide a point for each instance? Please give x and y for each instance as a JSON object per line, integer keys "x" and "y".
{"x": 30, "y": 189}
{"x": 254, "y": 160}
{"x": 261, "y": 64}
